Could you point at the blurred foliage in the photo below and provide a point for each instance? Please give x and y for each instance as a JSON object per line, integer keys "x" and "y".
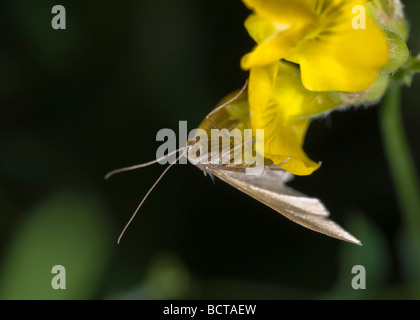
{"x": 374, "y": 256}
{"x": 79, "y": 102}
{"x": 166, "y": 278}
{"x": 66, "y": 229}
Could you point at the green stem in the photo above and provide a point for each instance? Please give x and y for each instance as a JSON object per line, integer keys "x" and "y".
{"x": 401, "y": 164}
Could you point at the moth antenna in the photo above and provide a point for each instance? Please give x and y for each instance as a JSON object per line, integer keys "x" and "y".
{"x": 142, "y": 165}
{"x": 225, "y": 104}
{"x": 147, "y": 194}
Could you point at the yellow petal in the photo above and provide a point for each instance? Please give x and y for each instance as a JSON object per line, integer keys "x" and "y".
{"x": 261, "y": 29}
{"x": 272, "y": 49}
{"x": 295, "y": 12}
{"x": 278, "y": 107}
{"x": 280, "y": 84}
{"x": 293, "y": 100}
{"x": 261, "y": 84}
{"x": 285, "y": 140}
{"x": 277, "y": 26}
{"x": 342, "y": 59}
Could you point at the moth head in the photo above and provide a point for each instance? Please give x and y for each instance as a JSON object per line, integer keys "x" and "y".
{"x": 196, "y": 149}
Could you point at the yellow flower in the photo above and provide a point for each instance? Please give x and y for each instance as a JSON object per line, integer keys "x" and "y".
{"x": 314, "y": 56}
{"x": 284, "y": 114}
{"x": 320, "y": 37}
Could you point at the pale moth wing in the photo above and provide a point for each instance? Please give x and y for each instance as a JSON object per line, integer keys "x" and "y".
{"x": 270, "y": 189}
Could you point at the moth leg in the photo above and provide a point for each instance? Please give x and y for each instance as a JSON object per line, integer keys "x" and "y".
{"x": 271, "y": 167}
{"x": 226, "y": 168}
{"x": 238, "y": 123}
{"x": 283, "y": 162}
{"x": 224, "y": 105}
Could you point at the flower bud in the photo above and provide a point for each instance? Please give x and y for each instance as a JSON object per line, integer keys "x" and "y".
{"x": 390, "y": 15}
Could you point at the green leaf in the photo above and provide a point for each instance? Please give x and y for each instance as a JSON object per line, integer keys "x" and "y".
{"x": 68, "y": 229}
{"x": 415, "y": 64}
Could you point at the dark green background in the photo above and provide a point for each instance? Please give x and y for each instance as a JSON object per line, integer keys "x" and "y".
{"x": 80, "y": 102}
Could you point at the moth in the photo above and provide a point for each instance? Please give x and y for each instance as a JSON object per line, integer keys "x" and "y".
{"x": 269, "y": 187}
